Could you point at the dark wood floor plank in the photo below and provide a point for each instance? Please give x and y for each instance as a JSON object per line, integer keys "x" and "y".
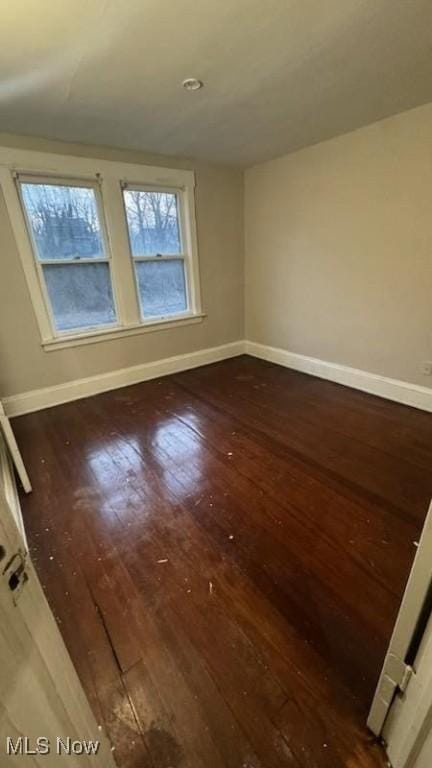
{"x": 60, "y": 566}
{"x": 275, "y": 562}
{"x": 225, "y": 551}
{"x": 283, "y": 478}
{"x": 374, "y": 421}
{"x": 339, "y": 454}
{"x": 296, "y": 538}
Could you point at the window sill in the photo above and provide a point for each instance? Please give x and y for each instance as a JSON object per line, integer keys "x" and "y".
{"x": 108, "y": 334}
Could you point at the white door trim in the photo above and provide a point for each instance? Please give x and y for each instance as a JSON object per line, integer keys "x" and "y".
{"x": 393, "y": 674}
{"x": 14, "y": 451}
{"x": 40, "y": 692}
{"x": 409, "y": 722}
{"x": 7, "y": 480}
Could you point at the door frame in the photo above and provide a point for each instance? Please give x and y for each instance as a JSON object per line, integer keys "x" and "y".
{"x": 15, "y": 452}
{"x": 408, "y": 725}
{"x": 55, "y": 700}
{"x": 10, "y": 490}
{"x": 396, "y": 671}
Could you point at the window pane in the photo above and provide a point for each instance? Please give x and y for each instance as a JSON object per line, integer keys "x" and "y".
{"x": 64, "y": 221}
{"x": 161, "y": 287}
{"x": 80, "y": 295}
{"x": 153, "y": 225}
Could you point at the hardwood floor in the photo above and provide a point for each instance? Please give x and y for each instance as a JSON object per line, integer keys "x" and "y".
{"x": 225, "y": 551}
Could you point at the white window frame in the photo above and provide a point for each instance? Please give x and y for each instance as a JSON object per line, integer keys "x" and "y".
{"x": 41, "y": 262}
{"x": 184, "y": 255}
{"x": 110, "y": 178}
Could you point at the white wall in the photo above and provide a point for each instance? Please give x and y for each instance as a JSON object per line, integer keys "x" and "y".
{"x": 339, "y": 249}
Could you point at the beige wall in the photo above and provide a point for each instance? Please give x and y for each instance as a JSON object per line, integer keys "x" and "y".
{"x": 339, "y": 249}
{"x": 338, "y": 260}
{"x": 219, "y": 210}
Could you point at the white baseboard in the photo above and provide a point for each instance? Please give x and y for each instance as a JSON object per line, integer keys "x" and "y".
{"x": 392, "y": 389}
{"x": 37, "y": 399}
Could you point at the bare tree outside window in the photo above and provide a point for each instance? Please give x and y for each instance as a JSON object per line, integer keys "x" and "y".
{"x": 64, "y": 221}
{"x": 155, "y": 242}
{"x": 153, "y": 222}
{"x": 67, "y": 235}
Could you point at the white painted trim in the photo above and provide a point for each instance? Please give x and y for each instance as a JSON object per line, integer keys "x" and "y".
{"x": 93, "y": 385}
{"x": 28, "y": 263}
{"x": 45, "y": 695}
{"x": 29, "y": 161}
{"x": 106, "y": 177}
{"x": 407, "y": 733}
{"x": 62, "y": 342}
{"x": 414, "y": 598}
{"x": 391, "y": 389}
{"x": 14, "y": 451}
{"x": 7, "y": 481}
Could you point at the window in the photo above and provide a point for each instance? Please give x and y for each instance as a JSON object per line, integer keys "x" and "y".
{"x": 68, "y": 242}
{"x": 107, "y": 248}
{"x": 155, "y": 238}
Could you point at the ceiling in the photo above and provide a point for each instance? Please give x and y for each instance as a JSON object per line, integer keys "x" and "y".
{"x": 278, "y": 74}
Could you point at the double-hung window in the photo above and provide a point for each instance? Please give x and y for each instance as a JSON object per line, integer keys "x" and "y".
{"x": 154, "y": 220}
{"x": 65, "y": 226}
{"x": 108, "y": 249}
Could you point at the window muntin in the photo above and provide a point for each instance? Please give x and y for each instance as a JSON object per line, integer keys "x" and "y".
{"x": 65, "y": 224}
{"x": 107, "y": 178}
{"x": 156, "y": 240}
